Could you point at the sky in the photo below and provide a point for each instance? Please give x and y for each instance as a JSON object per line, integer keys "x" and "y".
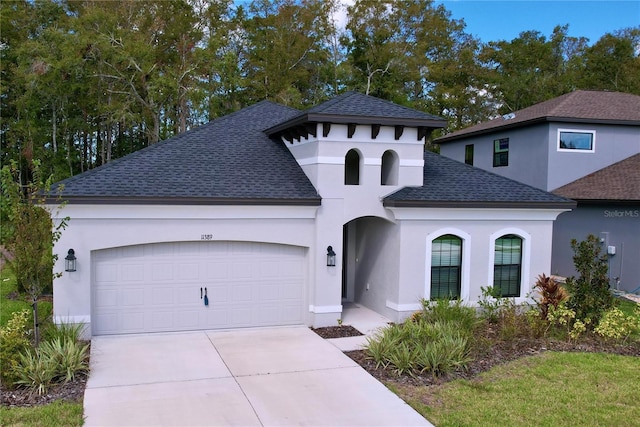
{"x": 492, "y": 20}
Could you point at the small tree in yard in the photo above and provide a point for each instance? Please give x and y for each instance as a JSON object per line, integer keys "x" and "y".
{"x": 590, "y": 294}
{"x": 28, "y": 233}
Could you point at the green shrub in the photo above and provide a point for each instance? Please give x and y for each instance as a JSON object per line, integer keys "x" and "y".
{"x": 614, "y": 325}
{"x": 71, "y": 331}
{"x": 70, "y": 357}
{"x": 590, "y": 296}
{"x": 14, "y": 339}
{"x": 436, "y": 340}
{"x": 504, "y": 313}
{"x": 564, "y": 321}
{"x": 35, "y": 371}
{"x": 443, "y": 310}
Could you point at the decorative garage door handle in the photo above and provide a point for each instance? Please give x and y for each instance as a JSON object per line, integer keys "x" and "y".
{"x": 206, "y": 298}
{"x": 200, "y": 293}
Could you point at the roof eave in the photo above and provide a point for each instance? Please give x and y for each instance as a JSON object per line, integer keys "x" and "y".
{"x": 184, "y": 201}
{"x": 434, "y": 123}
{"x": 478, "y": 204}
{"x": 447, "y": 138}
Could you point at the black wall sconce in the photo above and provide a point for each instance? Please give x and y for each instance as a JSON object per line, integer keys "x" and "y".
{"x": 70, "y": 261}
{"x": 331, "y": 257}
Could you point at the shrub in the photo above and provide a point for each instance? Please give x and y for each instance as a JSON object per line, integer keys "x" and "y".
{"x": 589, "y": 293}
{"x": 614, "y": 325}
{"x": 443, "y": 310}
{"x": 551, "y": 294}
{"x": 71, "y": 331}
{"x": 69, "y": 356}
{"x": 435, "y": 340}
{"x": 564, "y": 320}
{"x": 502, "y": 312}
{"x": 35, "y": 371}
{"x": 14, "y": 339}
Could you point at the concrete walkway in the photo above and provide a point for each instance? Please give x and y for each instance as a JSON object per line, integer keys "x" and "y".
{"x": 253, "y": 377}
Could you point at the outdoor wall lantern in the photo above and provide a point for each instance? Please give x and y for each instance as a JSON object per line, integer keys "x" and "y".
{"x": 70, "y": 261}
{"x": 331, "y": 257}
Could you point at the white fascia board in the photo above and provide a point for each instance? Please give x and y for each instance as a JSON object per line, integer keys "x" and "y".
{"x": 478, "y": 214}
{"x": 186, "y": 212}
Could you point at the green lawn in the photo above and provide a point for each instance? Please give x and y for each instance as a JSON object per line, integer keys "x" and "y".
{"x": 552, "y": 389}
{"x": 63, "y": 414}
{"x": 54, "y": 414}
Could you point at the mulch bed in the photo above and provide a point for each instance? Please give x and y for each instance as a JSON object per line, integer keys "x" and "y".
{"x": 72, "y": 391}
{"x": 341, "y": 331}
{"x": 495, "y": 352}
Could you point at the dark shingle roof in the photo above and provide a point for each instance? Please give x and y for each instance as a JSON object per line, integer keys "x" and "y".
{"x": 354, "y": 107}
{"x": 581, "y": 106}
{"x": 227, "y": 161}
{"x": 448, "y": 183}
{"x": 619, "y": 182}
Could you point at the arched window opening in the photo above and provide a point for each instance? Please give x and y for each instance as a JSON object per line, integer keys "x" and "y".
{"x": 507, "y": 268}
{"x": 352, "y": 168}
{"x": 389, "y": 171}
{"x": 446, "y": 263}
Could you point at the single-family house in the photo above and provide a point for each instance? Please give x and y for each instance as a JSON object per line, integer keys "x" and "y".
{"x": 275, "y": 216}
{"x": 580, "y": 140}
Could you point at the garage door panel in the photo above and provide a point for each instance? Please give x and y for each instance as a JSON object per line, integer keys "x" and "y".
{"x": 157, "y": 287}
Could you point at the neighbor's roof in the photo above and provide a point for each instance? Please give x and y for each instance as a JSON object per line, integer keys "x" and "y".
{"x": 227, "y": 161}
{"x": 448, "y": 183}
{"x": 354, "y": 107}
{"x": 618, "y": 182}
{"x": 581, "y": 106}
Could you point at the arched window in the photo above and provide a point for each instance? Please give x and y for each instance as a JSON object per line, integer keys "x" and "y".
{"x": 507, "y": 267}
{"x": 352, "y": 168}
{"x": 389, "y": 171}
{"x": 446, "y": 260}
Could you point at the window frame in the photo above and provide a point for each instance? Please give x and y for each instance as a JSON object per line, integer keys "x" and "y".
{"x": 576, "y": 150}
{"x": 508, "y": 267}
{"x": 456, "y": 268}
{"x": 468, "y": 154}
{"x": 500, "y": 153}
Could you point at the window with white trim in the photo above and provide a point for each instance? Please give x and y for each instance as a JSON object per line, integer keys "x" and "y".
{"x": 507, "y": 267}
{"x": 576, "y": 140}
{"x": 446, "y": 266}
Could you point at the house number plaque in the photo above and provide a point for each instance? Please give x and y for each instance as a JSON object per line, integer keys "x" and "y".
{"x": 206, "y": 237}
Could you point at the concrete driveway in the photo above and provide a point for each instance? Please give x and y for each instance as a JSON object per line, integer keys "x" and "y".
{"x": 256, "y": 377}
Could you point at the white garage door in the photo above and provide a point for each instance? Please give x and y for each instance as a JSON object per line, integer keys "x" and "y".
{"x": 161, "y": 287}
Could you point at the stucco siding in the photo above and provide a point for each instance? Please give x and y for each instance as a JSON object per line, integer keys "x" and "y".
{"x": 618, "y": 225}
{"x": 527, "y": 154}
{"x": 93, "y": 228}
{"x": 612, "y": 144}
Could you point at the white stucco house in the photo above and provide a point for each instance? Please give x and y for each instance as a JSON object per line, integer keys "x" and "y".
{"x": 240, "y": 213}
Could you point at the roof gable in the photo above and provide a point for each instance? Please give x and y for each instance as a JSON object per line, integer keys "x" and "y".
{"x": 226, "y": 161}
{"x": 618, "y": 182}
{"x": 581, "y": 106}
{"x": 448, "y": 183}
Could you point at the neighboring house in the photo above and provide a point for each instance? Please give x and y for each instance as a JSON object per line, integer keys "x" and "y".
{"x": 608, "y": 206}
{"x": 556, "y": 143}
{"x": 276, "y": 216}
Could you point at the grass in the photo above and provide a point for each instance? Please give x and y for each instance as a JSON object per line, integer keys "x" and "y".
{"x": 552, "y": 389}
{"x": 55, "y": 414}
{"x": 8, "y": 306}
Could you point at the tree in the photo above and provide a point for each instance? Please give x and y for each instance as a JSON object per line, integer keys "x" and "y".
{"x": 613, "y": 62}
{"x": 29, "y": 233}
{"x": 590, "y": 296}
{"x": 530, "y": 69}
